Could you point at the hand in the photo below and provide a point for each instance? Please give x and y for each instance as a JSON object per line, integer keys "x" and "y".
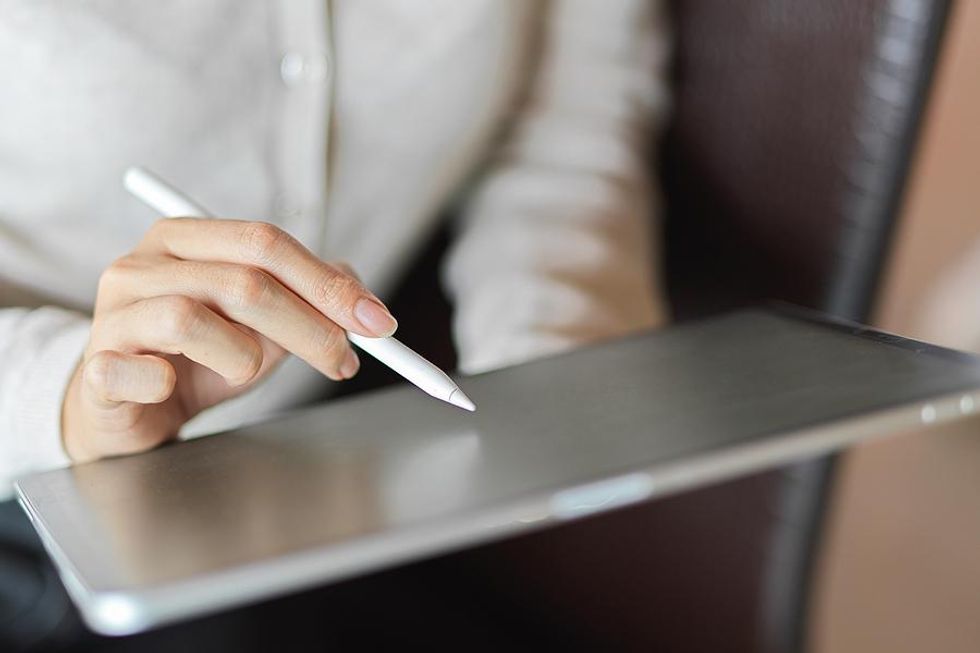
{"x": 198, "y": 313}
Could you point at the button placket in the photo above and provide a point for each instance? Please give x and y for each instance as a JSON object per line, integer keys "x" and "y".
{"x": 305, "y": 69}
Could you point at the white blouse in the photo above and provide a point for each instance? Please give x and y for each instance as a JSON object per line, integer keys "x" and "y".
{"x": 351, "y": 124}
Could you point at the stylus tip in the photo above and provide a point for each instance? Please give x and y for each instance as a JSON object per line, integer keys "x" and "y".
{"x": 458, "y": 398}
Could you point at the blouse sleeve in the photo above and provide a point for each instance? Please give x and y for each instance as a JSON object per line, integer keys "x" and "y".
{"x": 557, "y": 244}
{"x": 39, "y": 351}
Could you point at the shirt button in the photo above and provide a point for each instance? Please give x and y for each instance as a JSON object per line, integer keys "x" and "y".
{"x": 285, "y": 208}
{"x": 297, "y": 68}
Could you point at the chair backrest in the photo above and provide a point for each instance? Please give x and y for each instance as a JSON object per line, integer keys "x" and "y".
{"x": 782, "y": 171}
{"x": 794, "y": 122}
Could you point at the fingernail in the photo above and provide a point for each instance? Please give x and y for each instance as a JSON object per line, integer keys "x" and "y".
{"x": 350, "y": 365}
{"x": 375, "y": 317}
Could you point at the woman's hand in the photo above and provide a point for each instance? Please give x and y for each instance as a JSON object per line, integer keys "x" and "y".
{"x": 198, "y": 313}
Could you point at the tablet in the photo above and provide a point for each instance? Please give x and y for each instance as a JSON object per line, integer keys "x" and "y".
{"x": 368, "y": 482}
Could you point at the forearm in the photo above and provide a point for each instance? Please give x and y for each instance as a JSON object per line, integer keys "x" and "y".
{"x": 558, "y": 244}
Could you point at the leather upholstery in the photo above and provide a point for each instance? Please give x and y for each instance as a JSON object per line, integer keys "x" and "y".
{"x": 783, "y": 171}
{"x": 765, "y": 94}
{"x": 793, "y": 122}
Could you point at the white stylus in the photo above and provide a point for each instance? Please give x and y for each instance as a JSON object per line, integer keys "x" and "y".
{"x": 168, "y": 201}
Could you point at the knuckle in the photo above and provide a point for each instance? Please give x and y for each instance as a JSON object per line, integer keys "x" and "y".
{"x": 249, "y": 286}
{"x": 331, "y": 343}
{"x": 158, "y": 228}
{"x": 252, "y": 363}
{"x": 180, "y": 316}
{"x": 168, "y": 382}
{"x": 116, "y": 273}
{"x": 99, "y": 369}
{"x": 336, "y": 290}
{"x": 262, "y": 241}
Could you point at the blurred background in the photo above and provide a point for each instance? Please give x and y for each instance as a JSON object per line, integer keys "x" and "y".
{"x": 900, "y": 570}
{"x": 828, "y": 154}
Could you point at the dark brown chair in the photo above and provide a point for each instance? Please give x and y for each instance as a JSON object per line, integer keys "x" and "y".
{"x": 783, "y": 168}
{"x": 794, "y": 126}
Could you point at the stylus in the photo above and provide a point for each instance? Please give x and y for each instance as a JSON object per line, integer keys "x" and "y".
{"x": 168, "y": 201}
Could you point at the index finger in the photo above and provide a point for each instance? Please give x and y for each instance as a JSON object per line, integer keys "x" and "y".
{"x": 338, "y": 295}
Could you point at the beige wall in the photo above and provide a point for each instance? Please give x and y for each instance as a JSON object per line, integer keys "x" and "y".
{"x": 901, "y": 566}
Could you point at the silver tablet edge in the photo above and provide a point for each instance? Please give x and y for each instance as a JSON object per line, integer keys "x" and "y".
{"x": 122, "y": 612}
